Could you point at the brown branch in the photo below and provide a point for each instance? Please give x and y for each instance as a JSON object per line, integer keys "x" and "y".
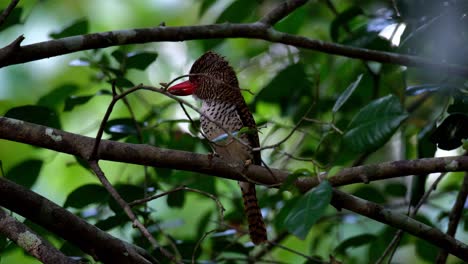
{"x": 454, "y": 217}
{"x": 142, "y": 154}
{"x": 391, "y": 248}
{"x": 9, "y": 50}
{"x": 37, "y": 135}
{"x": 7, "y": 11}
{"x": 128, "y": 211}
{"x": 282, "y": 11}
{"x": 87, "y": 237}
{"x": 32, "y": 243}
{"x": 400, "y": 221}
{"x": 257, "y": 30}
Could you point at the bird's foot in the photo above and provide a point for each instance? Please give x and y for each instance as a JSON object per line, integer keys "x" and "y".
{"x": 211, "y": 156}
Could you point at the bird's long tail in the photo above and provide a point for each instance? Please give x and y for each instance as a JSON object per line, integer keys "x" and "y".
{"x": 257, "y": 228}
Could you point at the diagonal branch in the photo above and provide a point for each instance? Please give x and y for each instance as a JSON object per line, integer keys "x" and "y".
{"x": 88, "y": 238}
{"x": 7, "y": 11}
{"x": 282, "y": 11}
{"x": 455, "y": 216}
{"x": 32, "y": 243}
{"x": 400, "y": 221}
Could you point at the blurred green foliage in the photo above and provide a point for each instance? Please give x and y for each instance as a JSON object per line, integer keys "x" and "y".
{"x": 361, "y": 112}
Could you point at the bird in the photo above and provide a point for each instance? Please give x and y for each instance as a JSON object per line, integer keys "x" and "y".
{"x": 213, "y": 81}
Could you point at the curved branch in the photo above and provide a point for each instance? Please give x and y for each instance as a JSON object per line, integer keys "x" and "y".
{"x": 27, "y": 239}
{"x": 49, "y": 215}
{"x": 256, "y": 30}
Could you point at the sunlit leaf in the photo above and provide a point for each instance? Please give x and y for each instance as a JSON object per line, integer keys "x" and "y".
{"x": 346, "y": 94}
{"x": 35, "y": 114}
{"x": 86, "y": 195}
{"x": 25, "y": 173}
{"x": 308, "y": 209}
{"x": 374, "y": 124}
{"x": 78, "y": 27}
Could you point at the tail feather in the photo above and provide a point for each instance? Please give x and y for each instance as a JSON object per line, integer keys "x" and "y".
{"x": 257, "y": 228}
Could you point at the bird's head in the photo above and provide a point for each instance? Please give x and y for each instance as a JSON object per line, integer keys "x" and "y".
{"x": 208, "y": 75}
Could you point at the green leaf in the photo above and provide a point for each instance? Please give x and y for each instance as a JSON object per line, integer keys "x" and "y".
{"x": 59, "y": 94}
{"x": 73, "y": 101}
{"x": 354, "y": 242}
{"x": 370, "y": 193}
{"x": 13, "y": 19}
{"x": 141, "y": 60}
{"x": 112, "y": 222}
{"x": 395, "y": 189}
{"x": 346, "y": 94}
{"x": 176, "y": 199}
{"x": 308, "y": 210}
{"x": 25, "y": 173}
{"x": 374, "y": 124}
{"x": 451, "y": 132}
{"x": 236, "y": 11}
{"x": 35, "y": 114}
{"x": 122, "y": 82}
{"x": 288, "y": 183}
{"x": 284, "y": 212}
{"x": 424, "y": 88}
{"x": 426, "y": 251}
{"x": 293, "y": 79}
{"x": 128, "y": 192}
{"x": 79, "y": 27}
{"x": 121, "y": 127}
{"x": 204, "y": 6}
{"x": 86, "y": 195}
{"x": 342, "y": 21}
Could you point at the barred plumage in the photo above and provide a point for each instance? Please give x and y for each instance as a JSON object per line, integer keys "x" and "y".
{"x": 215, "y": 84}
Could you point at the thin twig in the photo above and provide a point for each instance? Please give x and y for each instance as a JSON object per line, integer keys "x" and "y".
{"x": 8, "y": 11}
{"x": 184, "y": 188}
{"x": 281, "y": 11}
{"x": 128, "y": 211}
{"x": 454, "y": 217}
{"x": 391, "y": 248}
{"x": 290, "y": 133}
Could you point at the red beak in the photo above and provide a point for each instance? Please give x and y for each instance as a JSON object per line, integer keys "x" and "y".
{"x": 184, "y": 88}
